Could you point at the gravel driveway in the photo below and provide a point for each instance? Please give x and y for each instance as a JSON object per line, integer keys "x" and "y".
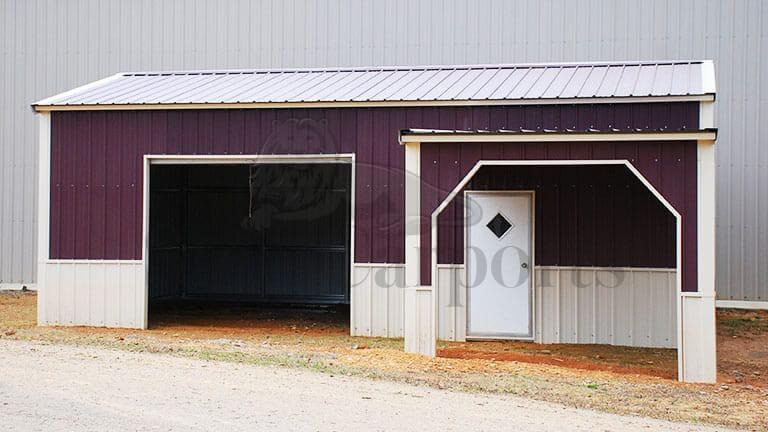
{"x": 66, "y": 388}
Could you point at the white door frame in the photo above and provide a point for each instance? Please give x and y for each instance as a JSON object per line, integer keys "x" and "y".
{"x": 532, "y": 265}
{"x": 153, "y": 159}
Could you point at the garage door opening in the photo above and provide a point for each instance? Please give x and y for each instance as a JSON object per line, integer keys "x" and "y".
{"x": 228, "y": 239}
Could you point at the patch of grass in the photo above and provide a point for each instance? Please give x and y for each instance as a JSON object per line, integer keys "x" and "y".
{"x": 593, "y": 386}
{"x": 267, "y": 357}
{"x": 744, "y": 324}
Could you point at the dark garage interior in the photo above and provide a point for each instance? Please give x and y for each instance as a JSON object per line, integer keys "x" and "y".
{"x": 249, "y": 235}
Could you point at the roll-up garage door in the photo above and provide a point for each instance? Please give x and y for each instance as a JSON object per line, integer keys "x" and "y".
{"x": 267, "y": 232}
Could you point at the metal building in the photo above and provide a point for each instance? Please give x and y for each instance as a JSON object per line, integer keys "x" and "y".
{"x": 49, "y": 46}
{"x": 454, "y": 202}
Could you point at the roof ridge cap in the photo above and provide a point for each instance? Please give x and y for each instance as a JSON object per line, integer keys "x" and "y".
{"x": 408, "y": 68}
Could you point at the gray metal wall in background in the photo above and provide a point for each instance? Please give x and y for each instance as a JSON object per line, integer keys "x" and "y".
{"x": 48, "y": 46}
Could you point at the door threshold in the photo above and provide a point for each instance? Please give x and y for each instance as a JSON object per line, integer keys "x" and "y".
{"x": 500, "y": 338}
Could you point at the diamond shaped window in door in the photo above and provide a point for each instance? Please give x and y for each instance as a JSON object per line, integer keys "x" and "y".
{"x": 499, "y": 225}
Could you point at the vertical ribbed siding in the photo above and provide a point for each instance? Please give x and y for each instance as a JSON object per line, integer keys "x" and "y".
{"x": 48, "y": 46}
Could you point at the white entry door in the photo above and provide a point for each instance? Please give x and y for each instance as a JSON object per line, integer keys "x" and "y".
{"x": 499, "y": 265}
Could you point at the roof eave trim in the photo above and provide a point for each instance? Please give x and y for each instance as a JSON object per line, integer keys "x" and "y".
{"x": 45, "y": 105}
{"x": 708, "y": 82}
{"x": 407, "y": 137}
{"x": 51, "y": 101}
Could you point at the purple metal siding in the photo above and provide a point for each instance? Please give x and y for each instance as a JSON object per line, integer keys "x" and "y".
{"x": 96, "y": 160}
{"x": 669, "y": 166}
{"x": 96, "y": 168}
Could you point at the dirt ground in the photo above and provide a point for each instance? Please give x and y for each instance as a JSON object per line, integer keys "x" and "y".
{"x": 621, "y": 380}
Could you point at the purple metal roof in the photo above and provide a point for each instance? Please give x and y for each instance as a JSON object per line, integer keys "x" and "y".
{"x": 481, "y": 83}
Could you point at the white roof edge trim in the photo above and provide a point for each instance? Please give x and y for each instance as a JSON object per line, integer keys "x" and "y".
{"x": 82, "y": 88}
{"x": 709, "y": 84}
{"x": 354, "y": 104}
{"x": 705, "y": 135}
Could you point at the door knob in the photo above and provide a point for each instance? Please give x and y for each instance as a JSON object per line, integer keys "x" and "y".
{"x": 524, "y": 265}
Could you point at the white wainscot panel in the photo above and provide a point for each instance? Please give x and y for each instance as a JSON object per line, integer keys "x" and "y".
{"x": 377, "y": 300}
{"x": 452, "y": 302}
{"x": 93, "y": 293}
{"x": 615, "y": 306}
{"x": 699, "y": 358}
{"x": 420, "y": 323}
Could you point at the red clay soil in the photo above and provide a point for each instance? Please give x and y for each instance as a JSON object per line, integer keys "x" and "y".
{"x": 742, "y": 347}
{"x": 463, "y": 353}
{"x": 742, "y": 352}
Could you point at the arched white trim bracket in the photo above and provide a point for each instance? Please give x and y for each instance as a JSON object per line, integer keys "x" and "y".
{"x": 695, "y": 347}
{"x": 485, "y": 163}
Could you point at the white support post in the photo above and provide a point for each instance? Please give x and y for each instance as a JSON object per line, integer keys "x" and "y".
{"x": 143, "y": 302}
{"x": 697, "y": 347}
{"x": 419, "y": 311}
{"x": 412, "y": 214}
{"x": 43, "y": 211}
